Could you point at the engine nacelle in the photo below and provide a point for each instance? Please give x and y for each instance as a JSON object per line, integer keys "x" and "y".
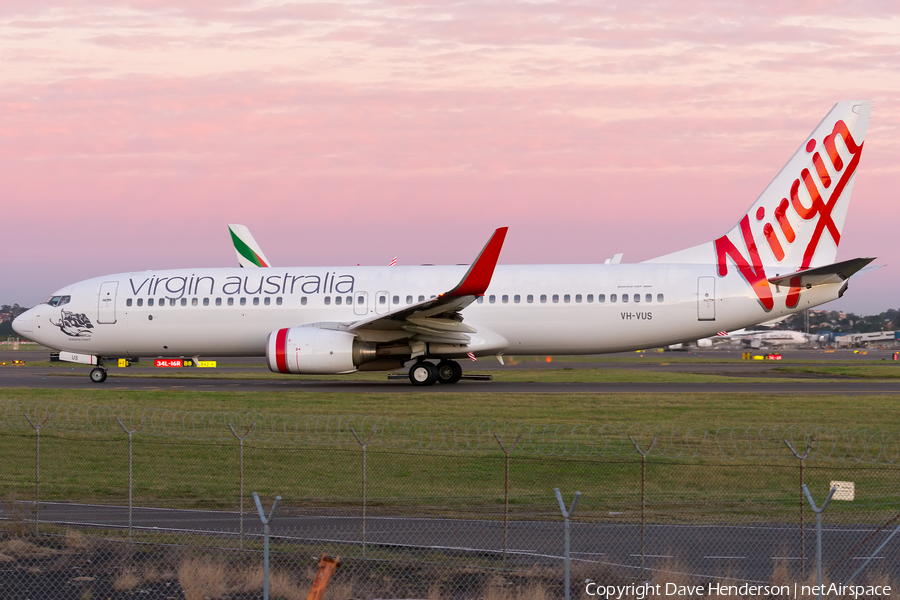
{"x": 311, "y": 350}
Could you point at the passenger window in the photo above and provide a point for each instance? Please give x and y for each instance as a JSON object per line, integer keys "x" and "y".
{"x": 612, "y": 297}
{"x": 338, "y": 300}
{"x": 504, "y": 299}
{"x": 206, "y": 302}
{"x": 480, "y": 300}
{"x": 140, "y": 302}
{"x": 409, "y": 299}
{"x": 529, "y": 298}
{"x": 492, "y": 299}
{"x": 517, "y": 298}
{"x": 255, "y": 300}
{"x": 303, "y": 301}
{"x": 231, "y": 302}
{"x": 267, "y": 301}
{"x": 171, "y": 301}
{"x": 359, "y": 300}
{"x": 543, "y": 298}
{"x": 184, "y": 301}
{"x": 624, "y": 297}
{"x": 555, "y": 298}
{"x": 349, "y": 301}
{"x": 590, "y": 298}
{"x": 278, "y": 300}
{"x": 218, "y": 302}
{"x": 328, "y": 300}
{"x": 195, "y": 301}
{"x": 648, "y": 298}
{"x": 382, "y": 299}
{"x": 149, "y": 301}
{"x": 396, "y": 300}
{"x": 659, "y": 297}
{"x": 601, "y": 298}
{"x": 421, "y": 298}
{"x": 637, "y": 297}
{"x": 578, "y": 298}
{"x": 567, "y": 298}
{"x": 128, "y": 302}
{"x": 243, "y": 302}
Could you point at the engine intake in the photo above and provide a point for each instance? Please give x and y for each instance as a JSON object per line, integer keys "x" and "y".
{"x": 310, "y": 350}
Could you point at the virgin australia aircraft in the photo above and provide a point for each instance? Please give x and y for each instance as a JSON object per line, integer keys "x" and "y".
{"x": 778, "y": 259}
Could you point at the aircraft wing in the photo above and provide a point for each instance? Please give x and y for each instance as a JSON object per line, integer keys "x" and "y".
{"x": 835, "y": 273}
{"x": 438, "y": 319}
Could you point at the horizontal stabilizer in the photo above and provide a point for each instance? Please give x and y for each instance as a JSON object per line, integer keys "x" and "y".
{"x": 835, "y": 273}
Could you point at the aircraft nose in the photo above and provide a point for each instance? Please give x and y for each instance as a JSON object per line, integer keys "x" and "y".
{"x": 22, "y": 324}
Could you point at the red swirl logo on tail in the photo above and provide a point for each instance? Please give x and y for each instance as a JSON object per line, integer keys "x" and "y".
{"x": 821, "y": 210}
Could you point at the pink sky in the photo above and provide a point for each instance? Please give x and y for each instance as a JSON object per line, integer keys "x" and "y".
{"x": 345, "y": 133}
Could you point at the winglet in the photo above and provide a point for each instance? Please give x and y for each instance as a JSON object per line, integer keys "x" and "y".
{"x": 478, "y": 277}
{"x": 248, "y": 251}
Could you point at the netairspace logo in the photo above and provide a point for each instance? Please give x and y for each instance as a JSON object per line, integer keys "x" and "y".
{"x": 641, "y": 591}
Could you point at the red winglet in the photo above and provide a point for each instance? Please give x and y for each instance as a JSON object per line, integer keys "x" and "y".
{"x": 478, "y": 277}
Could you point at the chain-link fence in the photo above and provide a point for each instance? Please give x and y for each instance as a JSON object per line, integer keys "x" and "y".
{"x": 116, "y": 501}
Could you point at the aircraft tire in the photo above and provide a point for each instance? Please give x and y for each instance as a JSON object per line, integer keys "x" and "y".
{"x": 98, "y": 375}
{"x": 449, "y": 371}
{"x": 423, "y": 373}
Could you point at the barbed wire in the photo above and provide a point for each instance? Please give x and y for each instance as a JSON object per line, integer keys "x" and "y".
{"x": 594, "y": 440}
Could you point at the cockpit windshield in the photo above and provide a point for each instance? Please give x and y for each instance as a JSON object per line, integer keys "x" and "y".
{"x": 58, "y": 300}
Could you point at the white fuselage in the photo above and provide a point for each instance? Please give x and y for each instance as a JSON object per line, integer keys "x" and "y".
{"x": 537, "y": 309}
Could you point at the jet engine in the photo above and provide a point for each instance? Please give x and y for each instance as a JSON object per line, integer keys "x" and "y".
{"x": 310, "y": 350}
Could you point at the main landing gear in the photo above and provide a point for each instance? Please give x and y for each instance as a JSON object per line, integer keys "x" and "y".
{"x": 98, "y": 375}
{"x": 426, "y": 373}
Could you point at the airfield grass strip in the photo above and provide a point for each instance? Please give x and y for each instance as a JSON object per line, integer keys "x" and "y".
{"x": 204, "y": 475}
{"x": 706, "y": 410}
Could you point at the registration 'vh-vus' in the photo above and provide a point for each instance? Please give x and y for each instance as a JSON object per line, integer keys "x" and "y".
{"x": 778, "y": 259}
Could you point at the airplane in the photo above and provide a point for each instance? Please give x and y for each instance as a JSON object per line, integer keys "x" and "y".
{"x": 776, "y": 337}
{"x": 777, "y": 260}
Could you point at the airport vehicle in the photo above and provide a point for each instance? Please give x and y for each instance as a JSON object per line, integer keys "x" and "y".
{"x": 777, "y": 260}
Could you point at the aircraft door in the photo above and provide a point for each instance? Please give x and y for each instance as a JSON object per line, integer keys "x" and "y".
{"x": 706, "y": 299}
{"x": 106, "y": 307}
{"x": 382, "y": 302}
{"x": 361, "y": 303}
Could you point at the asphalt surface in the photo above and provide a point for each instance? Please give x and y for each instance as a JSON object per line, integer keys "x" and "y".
{"x": 744, "y": 552}
{"x": 704, "y": 362}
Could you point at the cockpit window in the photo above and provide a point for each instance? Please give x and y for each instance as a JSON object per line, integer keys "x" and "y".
{"x": 58, "y": 300}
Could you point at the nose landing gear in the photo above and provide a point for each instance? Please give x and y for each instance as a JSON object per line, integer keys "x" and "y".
{"x": 98, "y": 375}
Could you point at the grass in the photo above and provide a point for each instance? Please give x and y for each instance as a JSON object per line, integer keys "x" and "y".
{"x": 708, "y": 410}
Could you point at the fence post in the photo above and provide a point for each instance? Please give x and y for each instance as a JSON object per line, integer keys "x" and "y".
{"x": 37, "y": 468}
{"x": 506, "y": 490}
{"x": 566, "y": 516}
{"x": 643, "y": 454}
{"x": 130, "y": 433}
{"x": 801, "y": 459}
{"x": 241, "y": 478}
{"x": 819, "y": 512}
{"x": 364, "y": 444}
{"x": 265, "y": 521}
